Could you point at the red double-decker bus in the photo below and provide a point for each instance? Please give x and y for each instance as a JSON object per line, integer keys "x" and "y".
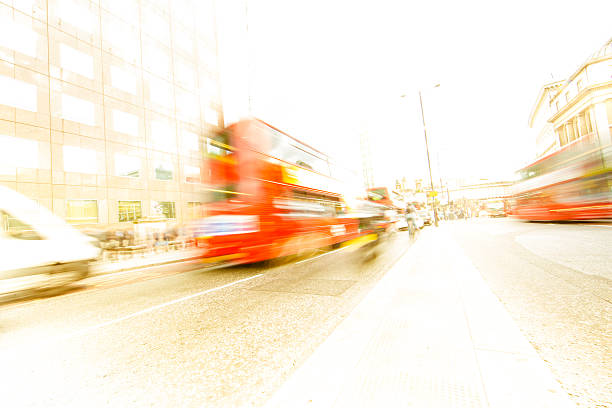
{"x": 573, "y": 183}
{"x": 269, "y": 195}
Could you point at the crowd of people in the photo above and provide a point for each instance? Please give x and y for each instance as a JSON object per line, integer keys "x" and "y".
{"x": 456, "y": 213}
{"x": 130, "y": 240}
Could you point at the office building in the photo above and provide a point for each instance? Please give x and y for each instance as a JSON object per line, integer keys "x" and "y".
{"x": 105, "y": 105}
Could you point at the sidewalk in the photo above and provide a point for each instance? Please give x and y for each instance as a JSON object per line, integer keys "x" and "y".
{"x": 430, "y": 334}
{"x": 145, "y": 260}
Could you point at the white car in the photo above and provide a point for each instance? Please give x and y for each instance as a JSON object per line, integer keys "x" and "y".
{"x": 37, "y": 248}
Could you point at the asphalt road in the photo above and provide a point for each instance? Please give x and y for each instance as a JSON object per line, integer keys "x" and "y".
{"x": 181, "y": 335}
{"x": 555, "y": 280}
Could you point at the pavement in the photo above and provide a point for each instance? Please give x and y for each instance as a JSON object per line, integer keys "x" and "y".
{"x": 430, "y": 334}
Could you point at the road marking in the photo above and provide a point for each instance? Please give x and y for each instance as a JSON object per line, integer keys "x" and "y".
{"x": 153, "y": 308}
{"x": 319, "y": 256}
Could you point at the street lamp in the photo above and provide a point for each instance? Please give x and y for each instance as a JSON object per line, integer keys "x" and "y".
{"x": 428, "y": 161}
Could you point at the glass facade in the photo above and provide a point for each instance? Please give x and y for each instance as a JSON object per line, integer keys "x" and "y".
{"x": 105, "y": 105}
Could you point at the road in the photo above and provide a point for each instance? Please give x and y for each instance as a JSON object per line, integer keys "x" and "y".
{"x": 224, "y": 337}
{"x": 181, "y": 335}
{"x": 555, "y": 280}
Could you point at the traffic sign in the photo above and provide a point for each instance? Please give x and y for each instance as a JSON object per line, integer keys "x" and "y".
{"x": 432, "y": 193}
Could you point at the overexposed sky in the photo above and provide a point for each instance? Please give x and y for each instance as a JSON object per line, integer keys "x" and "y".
{"x": 325, "y": 71}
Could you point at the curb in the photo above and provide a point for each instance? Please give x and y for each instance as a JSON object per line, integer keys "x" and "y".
{"x": 143, "y": 266}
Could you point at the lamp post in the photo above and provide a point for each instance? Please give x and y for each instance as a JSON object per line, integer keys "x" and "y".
{"x": 428, "y": 161}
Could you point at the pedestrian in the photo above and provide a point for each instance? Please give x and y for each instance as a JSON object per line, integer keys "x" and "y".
{"x": 411, "y": 220}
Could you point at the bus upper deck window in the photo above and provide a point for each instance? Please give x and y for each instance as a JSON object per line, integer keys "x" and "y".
{"x": 222, "y": 193}
{"x": 220, "y": 144}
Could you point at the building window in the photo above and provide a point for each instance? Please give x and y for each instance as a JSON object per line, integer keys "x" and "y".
{"x": 579, "y": 85}
{"x": 17, "y": 37}
{"x": 82, "y": 211}
{"x": 164, "y": 209}
{"x": 160, "y": 92}
{"x": 18, "y": 94}
{"x": 569, "y": 131}
{"x": 163, "y": 171}
{"x": 183, "y": 39}
{"x": 129, "y": 210}
{"x": 576, "y": 126}
{"x": 194, "y": 210}
{"x": 192, "y": 174}
{"x": 190, "y": 141}
{"x": 211, "y": 116}
{"x": 127, "y": 166}
{"x": 76, "y": 61}
{"x": 582, "y": 124}
{"x": 154, "y": 24}
{"x": 79, "y": 160}
{"x": 156, "y": 59}
{"x": 187, "y": 106}
{"x": 78, "y": 110}
{"x": 77, "y": 15}
{"x": 163, "y": 136}
{"x": 185, "y": 74}
{"x": 16, "y": 152}
{"x": 557, "y": 105}
{"x": 587, "y": 120}
{"x": 124, "y": 122}
{"x": 128, "y": 10}
{"x": 567, "y": 98}
{"x": 124, "y": 80}
{"x": 562, "y": 136}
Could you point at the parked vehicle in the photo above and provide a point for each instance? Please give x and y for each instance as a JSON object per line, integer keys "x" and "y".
{"x": 37, "y": 248}
{"x": 495, "y": 209}
{"x": 426, "y": 216}
{"x": 418, "y": 219}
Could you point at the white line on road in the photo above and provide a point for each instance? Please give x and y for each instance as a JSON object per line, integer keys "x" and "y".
{"x": 141, "y": 268}
{"x": 153, "y": 308}
{"x": 319, "y": 256}
{"x": 110, "y": 276}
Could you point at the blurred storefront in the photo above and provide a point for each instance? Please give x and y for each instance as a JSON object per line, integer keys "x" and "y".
{"x": 105, "y": 105}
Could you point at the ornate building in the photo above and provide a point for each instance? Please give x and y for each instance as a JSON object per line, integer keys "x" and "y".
{"x": 577, "y": 108}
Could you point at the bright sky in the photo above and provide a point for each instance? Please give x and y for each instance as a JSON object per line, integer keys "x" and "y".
{"x": 325, "y": 71}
